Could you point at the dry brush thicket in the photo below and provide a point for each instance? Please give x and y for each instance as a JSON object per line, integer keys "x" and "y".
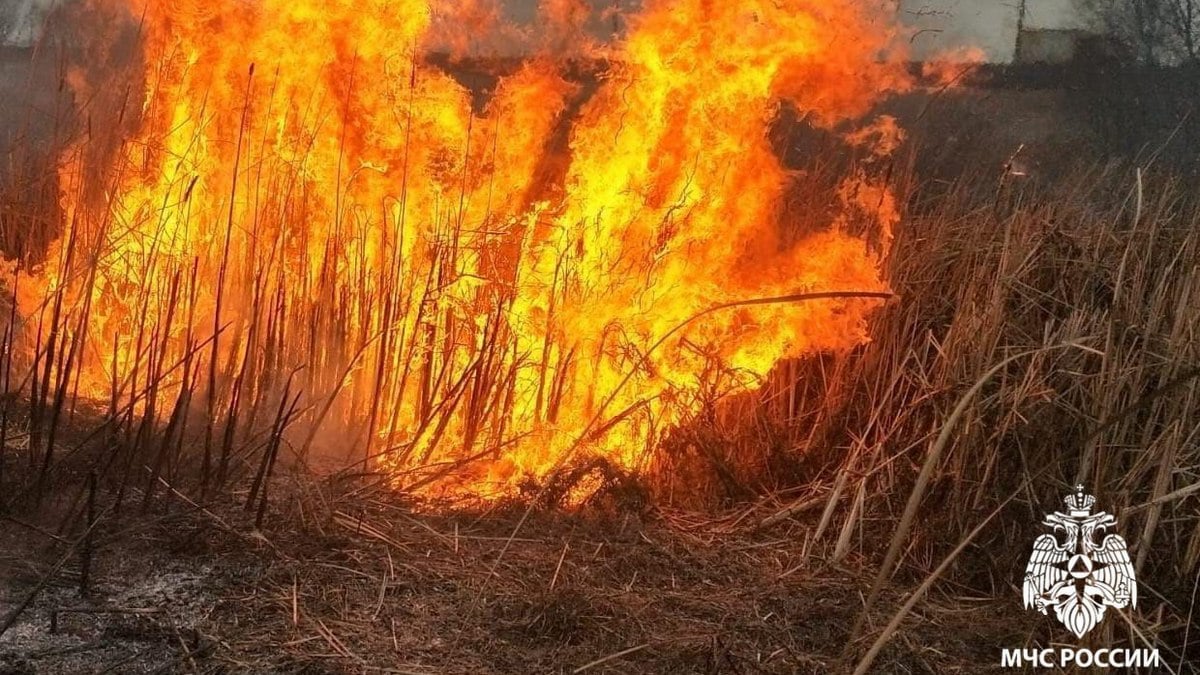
{"x": 1042, "y": 334}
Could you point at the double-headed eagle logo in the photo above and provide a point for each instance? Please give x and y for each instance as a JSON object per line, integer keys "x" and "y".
{"x": 1072, "y": 573}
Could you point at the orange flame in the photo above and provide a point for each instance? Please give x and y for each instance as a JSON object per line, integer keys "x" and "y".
{"x": 471, "y": 285}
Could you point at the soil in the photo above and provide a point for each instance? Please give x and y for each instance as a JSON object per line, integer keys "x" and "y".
{"x": 372, "y": 582}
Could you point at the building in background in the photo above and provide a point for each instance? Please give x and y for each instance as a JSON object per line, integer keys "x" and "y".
{"x": 1007, "y": 31}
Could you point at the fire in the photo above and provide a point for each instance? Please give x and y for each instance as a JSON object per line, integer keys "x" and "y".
{"x": 305, "y": 203}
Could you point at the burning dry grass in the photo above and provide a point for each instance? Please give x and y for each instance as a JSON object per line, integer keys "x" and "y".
{"x": 967, "y": 393}
{"x": 321, "y": 237}
{"x": 272, "y": 388}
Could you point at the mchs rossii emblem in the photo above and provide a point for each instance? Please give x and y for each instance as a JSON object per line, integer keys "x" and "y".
{"x": 1076, "y": 574}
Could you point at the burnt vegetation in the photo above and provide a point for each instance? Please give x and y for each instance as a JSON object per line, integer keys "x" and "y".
{"x": 862, "y": 509}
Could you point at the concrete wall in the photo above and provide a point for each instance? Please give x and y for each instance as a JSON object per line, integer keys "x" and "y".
{"x": 991, "y": 25}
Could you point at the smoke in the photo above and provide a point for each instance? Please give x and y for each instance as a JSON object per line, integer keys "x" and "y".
{"x": 21, "y": 20}
{"x": 515, "y": 28}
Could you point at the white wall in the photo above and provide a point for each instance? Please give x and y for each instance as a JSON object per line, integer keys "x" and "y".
{"x": 990, "y": 25}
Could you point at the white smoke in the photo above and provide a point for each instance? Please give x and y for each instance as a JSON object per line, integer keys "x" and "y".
{"x": 21, "y": 20}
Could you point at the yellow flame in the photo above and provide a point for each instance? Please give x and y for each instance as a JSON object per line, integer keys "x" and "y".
{"x": 475, "y": 285}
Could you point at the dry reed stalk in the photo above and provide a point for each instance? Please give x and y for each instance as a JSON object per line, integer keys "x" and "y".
{"x": 214, "y": 352}
{"x": 1136, "y": 390}
{"x": 889, "y": 631}
{"x": 562, "y": 460}
{"x": 85, "y": 556}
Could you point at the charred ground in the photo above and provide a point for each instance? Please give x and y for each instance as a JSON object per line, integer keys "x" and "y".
{"x": 362, "y": 582}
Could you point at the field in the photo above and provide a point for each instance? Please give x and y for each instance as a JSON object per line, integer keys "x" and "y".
{"x": 869, "y": 505}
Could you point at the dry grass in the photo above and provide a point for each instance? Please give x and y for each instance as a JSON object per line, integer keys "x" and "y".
{"x": 966, "y": 407}
{"x": 921, "y": 461}
{"x": 1042, "y": 337}
{"x": 374, "y": 586}
{"x": 1103, "y": 261}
